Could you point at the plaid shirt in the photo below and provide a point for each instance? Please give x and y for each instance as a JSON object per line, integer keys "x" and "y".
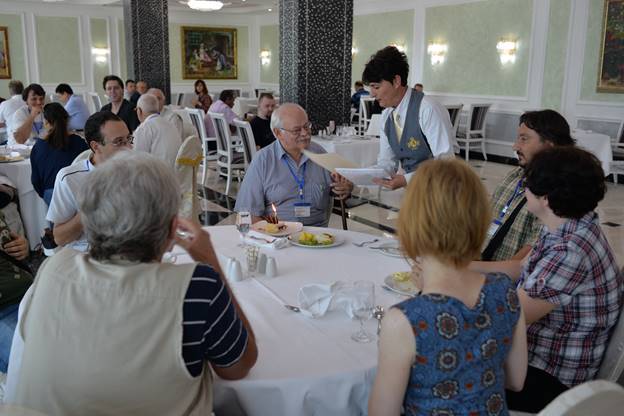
{"x": 573, "y": 268}
{"x": 525, "y": 228}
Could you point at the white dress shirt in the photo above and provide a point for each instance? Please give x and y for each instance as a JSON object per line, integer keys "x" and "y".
{"x": 8, "y": 107}
{"x": 157, "y": 136}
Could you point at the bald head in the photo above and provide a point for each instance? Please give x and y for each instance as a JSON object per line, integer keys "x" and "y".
{"x": 291, "y": 127}
{"x": 285, "y": 112}
{"x": 147, "y": 105}
{"x": 160, "y": 96}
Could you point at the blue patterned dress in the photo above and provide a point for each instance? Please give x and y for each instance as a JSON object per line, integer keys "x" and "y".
{"x": 460, "y": 352}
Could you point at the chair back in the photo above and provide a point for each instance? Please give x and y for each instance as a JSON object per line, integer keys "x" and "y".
{"x": 196, "y": 115}
{"x": 364, "y": 113}
{"x": 245, "y": 133}
{"x": 596, "y": 398}
{"x": 374, "y": 126}
{"x": 454, "y": 112}
{"x": 612, "y": 364}
{"x": 476, "y": 118}
{"x": 222, "y": 130}
{"x": 96, "y": 101}
{"x": 187, "y": 163}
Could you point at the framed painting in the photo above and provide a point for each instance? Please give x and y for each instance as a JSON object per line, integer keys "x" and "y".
{"x": 5, "y": 63}
{"x": 209, "y": 53}
{"x": 611, "y": 75}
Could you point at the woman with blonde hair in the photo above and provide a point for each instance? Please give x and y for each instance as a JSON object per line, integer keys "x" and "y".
{"x": 454, "y": 348}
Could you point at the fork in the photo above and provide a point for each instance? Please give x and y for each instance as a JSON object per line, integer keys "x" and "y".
{"x": 363, "y": 243}
{"x": 253, "y": 237}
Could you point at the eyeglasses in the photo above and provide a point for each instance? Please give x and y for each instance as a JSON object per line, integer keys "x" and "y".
{"x": 122, "y": 141}
{"x": 298, "y": 130}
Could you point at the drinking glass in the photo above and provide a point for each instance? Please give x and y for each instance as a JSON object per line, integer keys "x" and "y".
{"x": 363, "y": 303}
{"x": 243, "y": 224}
{"x": 251, "y": 257}
{"x": 331, "y": 127}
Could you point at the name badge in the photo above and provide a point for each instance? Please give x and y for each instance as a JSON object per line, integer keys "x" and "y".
{"x": 302, "y": 209}
{"x": 493, "y": 228}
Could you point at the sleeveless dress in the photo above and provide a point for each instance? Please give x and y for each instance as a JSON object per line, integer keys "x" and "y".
{"x": 460, "y": 352}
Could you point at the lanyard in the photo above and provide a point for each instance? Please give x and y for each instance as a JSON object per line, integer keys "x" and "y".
{"x": 35, "y": 127}
{"x": 517, "y": 192}
{"x": 300, "y": 181}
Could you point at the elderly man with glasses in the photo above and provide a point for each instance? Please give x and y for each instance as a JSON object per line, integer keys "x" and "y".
{"x": 281, "y": 174}
{"x": 106, "y": 135}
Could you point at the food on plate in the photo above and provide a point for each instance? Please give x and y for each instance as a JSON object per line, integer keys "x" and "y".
{"x": 275, "y": 228}
{"x": 401, "y": 276}
{"x": 322, "y": 239}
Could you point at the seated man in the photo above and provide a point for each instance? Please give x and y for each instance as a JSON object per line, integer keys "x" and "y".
{"x": 155, "y": 135}
{"x": 141, "y": 88}
{"x": 27, "y": 121}
{"x": 113, "y": 85}
{"x": 261, "y": 124}
{"x": 570, "y": 285}
{"x": 130, "y": 89}
{"x": 106, "y": 134}
{"x": 359, "y": 92}
{"x": 10, "y": 106}
{"x": 224, "y": 106}
{"x": 281, "y": 174}
{"x": 75, "y": 107}
{"x": 167, "y": 113}
{"x": 513, "y": 226}
{"x": 138, "y": 336}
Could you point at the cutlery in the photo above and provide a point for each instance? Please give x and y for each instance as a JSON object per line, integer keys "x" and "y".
{"x": 292, "y": 308}
{"x": 396, "y": 292}
{"x": 363, "y": 243}
{"x": 378, "y": 313}
{"x": 253, "y": 237}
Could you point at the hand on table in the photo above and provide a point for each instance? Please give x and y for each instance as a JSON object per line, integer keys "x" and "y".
{"x": 17, "y": 247}
{"x": 395, "y": 182}
{"x": 341, "y": 186}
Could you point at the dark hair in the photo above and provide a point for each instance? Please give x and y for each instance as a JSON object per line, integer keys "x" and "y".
{"x": 265, "y": 95}
{"x": 549, "y": 125}
{"x": 15, "y": 87}
{"x": 64, "y": 88}
{"x": 418, "y": 84}
{"x": 35, "y": 88}
{"x": 128, "y": 81}
{"x": 385, "y": 64}
{"x": 93, "y": 126}
{"x": 112, "y": 78}
{"x": 57, "y": 117}
{"x": 571, "y": 179}
{"x": 358, "y": 84}
{"x": 226, "y": 95}
{"x": 202, "y": 83}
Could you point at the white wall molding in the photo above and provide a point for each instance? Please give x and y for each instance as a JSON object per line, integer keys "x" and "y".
{"x": 31, "y": 58}
{"x": 418, "y": 54}
{"x": 537, "y": 52}
{"x": 58, "y": 10}
{"x": 573, "y": 76}
{"x": 27, "y": 50}
{"x": 114, "y": 46}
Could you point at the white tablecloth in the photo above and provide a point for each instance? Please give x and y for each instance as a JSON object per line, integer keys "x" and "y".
{"x": 32, "y": 207}
{"x": 305, "y": 366}
{"x": 598, "y": 144}
{"x": 362, "y": 152}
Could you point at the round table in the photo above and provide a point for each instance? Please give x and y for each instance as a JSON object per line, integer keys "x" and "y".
{"x": 305, "y": 366}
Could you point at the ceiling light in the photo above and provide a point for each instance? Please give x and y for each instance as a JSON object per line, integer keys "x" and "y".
{"x": 270, "y": 10}
{"x": 205, "y": 5}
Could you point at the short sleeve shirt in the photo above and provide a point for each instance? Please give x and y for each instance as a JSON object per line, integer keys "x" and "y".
{"x": 19, "y": 118}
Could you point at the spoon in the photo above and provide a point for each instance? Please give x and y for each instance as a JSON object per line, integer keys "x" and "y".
{"x": 378, "y": 313}
{"x": 363, "y": 243}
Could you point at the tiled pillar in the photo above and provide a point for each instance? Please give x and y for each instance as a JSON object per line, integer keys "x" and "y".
{"x": 147, "y": 42}
{"x": 315, "y": 57}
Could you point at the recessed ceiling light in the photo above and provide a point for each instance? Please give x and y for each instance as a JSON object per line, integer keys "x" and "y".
{"x": 270, "y": 10}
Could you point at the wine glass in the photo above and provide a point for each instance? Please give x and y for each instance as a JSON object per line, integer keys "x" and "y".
{"x": 331, "y": 127}
{"x": 363, "y": 303}
{"x": 243, "y": 223}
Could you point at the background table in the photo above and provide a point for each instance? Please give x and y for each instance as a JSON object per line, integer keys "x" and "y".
{"x": 305, "y": 366}
{"x": 362, "y": 152}
{"x": 598, "y": 144}
{"x": 32, "y": 207}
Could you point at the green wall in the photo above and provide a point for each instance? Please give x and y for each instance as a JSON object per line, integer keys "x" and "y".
{"x": 592, "y": 56}
{"x": 175, "y": 55}
{"x": 375, "y": 31}
{"x": 99, "y": 39}
{"x": 269, "y": 40}
{"x": 556, "y": 45}
{"x": 16, "y": 51}
{"x": 471, "y": 31}
{"x": 58, "y": 49}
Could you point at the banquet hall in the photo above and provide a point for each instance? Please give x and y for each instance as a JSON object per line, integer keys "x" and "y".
{"x": 219, "y": 91}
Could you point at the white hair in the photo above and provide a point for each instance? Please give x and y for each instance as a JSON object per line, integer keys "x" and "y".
{"x": 160, "y": 96}
{"x": 149, "y": 104}
{"x": 276, "y": 117}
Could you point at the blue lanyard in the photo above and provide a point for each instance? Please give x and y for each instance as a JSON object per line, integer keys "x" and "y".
{"x": 517, "y": 192}
{"x": 300, "y": 181}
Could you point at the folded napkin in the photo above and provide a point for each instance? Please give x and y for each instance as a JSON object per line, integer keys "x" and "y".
{"x": 315, "y": 300}
{"x": 266, "y": 241}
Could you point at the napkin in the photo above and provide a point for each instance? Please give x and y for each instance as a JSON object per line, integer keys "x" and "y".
{"x": 266, "y": 241}
{"x": 315, "y": 300}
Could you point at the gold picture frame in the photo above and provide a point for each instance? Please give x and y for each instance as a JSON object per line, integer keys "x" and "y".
{"x": 611, "y": 68}
{"x": 5, "y": 61}
{"x": 209, "y": 52}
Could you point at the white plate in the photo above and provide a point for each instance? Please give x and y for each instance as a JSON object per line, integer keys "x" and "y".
{"x": 291, "y": 227}
{"x": 389, "y": 248}
{"x": 407, "y": 288}
{"x": 294, "y": 240}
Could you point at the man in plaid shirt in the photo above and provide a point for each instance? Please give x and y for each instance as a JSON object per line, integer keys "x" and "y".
{"x": 537, "y": 130}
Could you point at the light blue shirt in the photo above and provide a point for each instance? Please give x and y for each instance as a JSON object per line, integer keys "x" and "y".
{"x": 78, "y": 112}
{"x": 269, "y": 180}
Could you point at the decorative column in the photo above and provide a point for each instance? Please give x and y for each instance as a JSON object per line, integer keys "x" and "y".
{"x": 315, "y": 57}
{"x": 146, "y": 25}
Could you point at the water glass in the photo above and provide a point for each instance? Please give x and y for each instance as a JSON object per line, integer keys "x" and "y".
{"x": 363, "y": 294}
{"x": 243, "y": 224}
{"x": 251, "y": 257}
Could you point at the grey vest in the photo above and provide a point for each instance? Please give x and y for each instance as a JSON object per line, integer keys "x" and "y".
{"x": 413, "y": 147}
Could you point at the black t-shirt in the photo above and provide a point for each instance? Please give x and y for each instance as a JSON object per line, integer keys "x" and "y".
{"x": 127, "y": 112}
{"x": 262, "y": 131}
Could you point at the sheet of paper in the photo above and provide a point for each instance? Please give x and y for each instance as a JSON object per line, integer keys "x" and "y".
{"x": 329, "y": 161}
{"x": 363, "y": 176}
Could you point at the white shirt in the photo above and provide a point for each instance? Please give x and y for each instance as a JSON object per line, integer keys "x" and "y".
{"x": 68, "y": 184}
{"x": 8, "y": 107}
{"x": 435, "y": 123}
{"x": 18, "y": 118}
{"x": 175, "y": 119}
{"x": 158, "y": 137}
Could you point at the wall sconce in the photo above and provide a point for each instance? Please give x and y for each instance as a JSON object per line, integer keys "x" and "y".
{"x": 354, "y": 50}
{"x": 400, "y": 47}
{"x": 100, "y": 54}
{"x": 507, "y": 51}
{"x": 437, "y": 52}
{"x": 265, "y": 57}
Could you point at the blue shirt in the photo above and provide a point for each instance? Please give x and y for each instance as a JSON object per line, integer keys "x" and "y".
{"x": 46, "y": 161}
{"x": 355, "y": 98}
{"x": 78, "y": 113}
{"x": 268, "y": 180}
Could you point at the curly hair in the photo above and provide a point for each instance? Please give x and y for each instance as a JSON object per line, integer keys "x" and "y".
{"x": 385, "y": 65}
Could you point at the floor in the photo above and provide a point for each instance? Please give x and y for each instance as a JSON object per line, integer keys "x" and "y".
{"x": 377, "y": 214}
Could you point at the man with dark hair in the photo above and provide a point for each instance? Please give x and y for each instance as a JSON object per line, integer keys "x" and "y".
{"x": 414, "y": 127}
{"x": 513, "y": 227}
{"x": 224, "y": 106}
{"x": 113, "y": 85}
{"x": 75, "y": 107}
{"x": 27, "y": 121}
{"x": 261, "y": 124}
{"x": 141, "y": 88}
{"x": 419, "y": 87}
{"x": 359, "y": 92}
{"x": 10, "y": 106}
{"x": 130, "y": 89}
{"x": 106, "y": 134}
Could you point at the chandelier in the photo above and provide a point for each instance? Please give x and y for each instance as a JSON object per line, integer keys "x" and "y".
{"x": 205, "y": 5}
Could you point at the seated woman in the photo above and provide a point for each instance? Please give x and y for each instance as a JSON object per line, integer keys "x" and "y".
{"x": 129, "y": 335}
{"x": 57, "y": 150}
{"x": 571, "y": 288}
{"x": 454, "y": 348}
{"x": 203, "y": 101}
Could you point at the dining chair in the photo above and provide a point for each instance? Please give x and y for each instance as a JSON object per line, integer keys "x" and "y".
{"x": 364, "y": 114}
{"x": 197, "y": 118}
{"x": 596, "y": 398}
{"x": 187, "y": 163}
{"x": 474, "y": 131}
{"x": 612, "y": 365}
{"x": 245, "y": 133}
{"x": 96, "y": 100}
{"x": 228, "y": 161}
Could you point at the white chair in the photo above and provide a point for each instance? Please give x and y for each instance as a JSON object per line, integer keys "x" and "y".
{"x": 454, "y": 113}
{"x": 364, "y": 113}
{"x": 227, "y": 159}
{"x": 187, "y": 163}
{"x": 197, "y": 118}
{"x": 374, "y": 125}
{"x": 612, "y": 364}
{"x": 245, "y": 133}
{"x": 96, "y": 100}
{"x": 474, "y": 130}
{"x": 595, "y": 398}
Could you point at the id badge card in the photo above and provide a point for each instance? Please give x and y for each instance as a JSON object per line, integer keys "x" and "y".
{"x": 494, "y": 226}
{"x": 302, "y": 209}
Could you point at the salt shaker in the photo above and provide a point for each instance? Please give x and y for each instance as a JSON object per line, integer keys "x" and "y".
{"x": 237, "y": 271}
{"x": 262, "y": 263}
{"x": 271, "y": 267}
